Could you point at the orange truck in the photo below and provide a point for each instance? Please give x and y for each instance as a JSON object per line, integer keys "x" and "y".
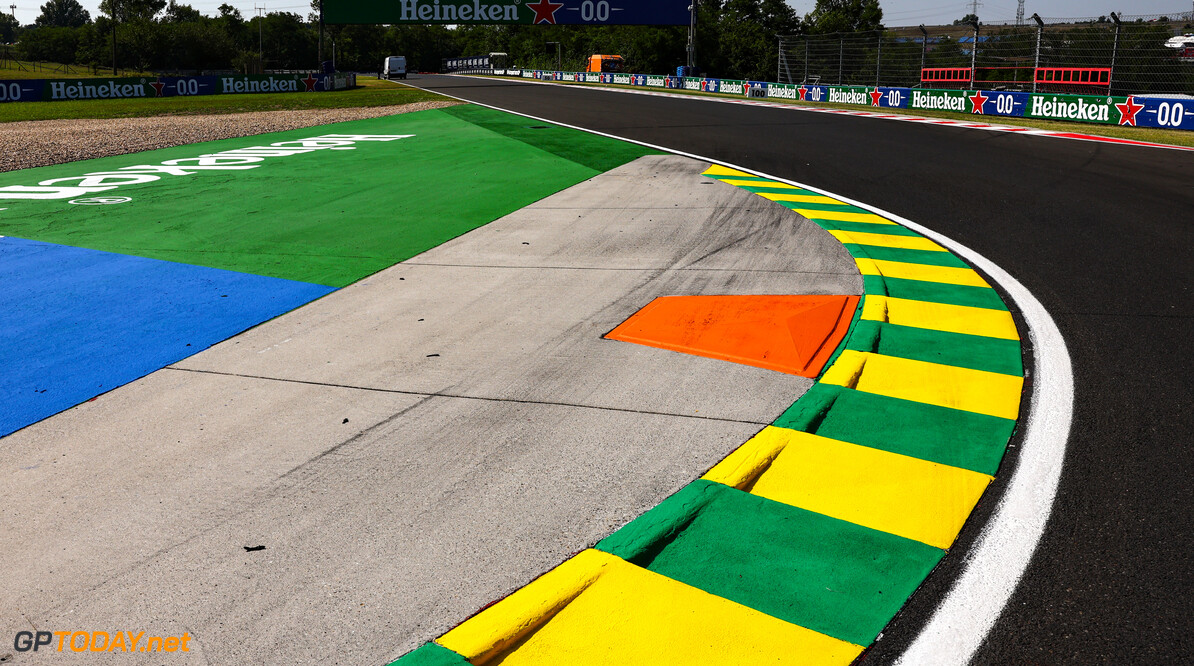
{"x": 605, "y": 63}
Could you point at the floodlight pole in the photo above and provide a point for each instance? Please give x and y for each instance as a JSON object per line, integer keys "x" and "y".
{"x": 1114, "y": 51}
{"x": 692, "y": 9}
{"x": 924, "y": 48}
{"x": 115, "y": 5}
{"x": 974, "y": 52}
{"x": 1040, "y": 27}
{"x": 260, "y": 51}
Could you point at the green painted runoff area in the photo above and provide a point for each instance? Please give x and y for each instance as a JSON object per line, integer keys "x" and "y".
{"x": 330, "y": 216}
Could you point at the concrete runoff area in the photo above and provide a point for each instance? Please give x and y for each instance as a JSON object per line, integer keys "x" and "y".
{"x": 491, "y": 432}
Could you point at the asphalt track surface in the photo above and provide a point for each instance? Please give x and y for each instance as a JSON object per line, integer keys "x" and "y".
{"x": 1102, "y": 235}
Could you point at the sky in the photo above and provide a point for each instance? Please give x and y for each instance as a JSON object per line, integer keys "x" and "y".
{"x": 895, "y": 12}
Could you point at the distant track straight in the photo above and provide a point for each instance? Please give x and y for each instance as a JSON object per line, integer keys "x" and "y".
{"x": 1101, "y": 235}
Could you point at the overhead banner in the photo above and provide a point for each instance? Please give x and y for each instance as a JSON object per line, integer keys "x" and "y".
{"x": 510, "y": 12}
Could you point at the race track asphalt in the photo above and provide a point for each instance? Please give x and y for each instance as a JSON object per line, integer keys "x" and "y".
{"x": 1102, "y": 235}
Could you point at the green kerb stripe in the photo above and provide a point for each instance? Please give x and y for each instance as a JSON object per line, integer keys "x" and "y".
{"x": 939, "y": 434}
{"x": 956, "y": 349}
{"x": 865, "y": 227}
{"x": 432, "y": 654}
{"x": 835, "y": 207}
{"x": 756, "y": 179}
{"x": 933, "y": 292}
{"x": 828, "y": 575}
{"x": 924, "y": 257}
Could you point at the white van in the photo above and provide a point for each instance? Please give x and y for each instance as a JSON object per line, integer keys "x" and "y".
{"x": 394, "y": 68}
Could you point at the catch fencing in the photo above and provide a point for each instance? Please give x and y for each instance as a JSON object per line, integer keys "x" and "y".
{"x": 1137, "y": 55}
{"x": 1131, "y": 110}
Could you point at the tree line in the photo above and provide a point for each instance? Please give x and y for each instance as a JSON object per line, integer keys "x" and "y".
{"x": 734, "y": 38}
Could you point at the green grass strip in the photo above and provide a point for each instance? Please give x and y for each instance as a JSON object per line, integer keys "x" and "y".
{"x": 933, "y": 292}
{"x": 329, "y": 217}
{"x": 828, "y": 575}
{"x": 431, "y": 654}
{"x": 371, "y": 93}
{"x": 956, "y": 349}
{"x": 938, "y": 434}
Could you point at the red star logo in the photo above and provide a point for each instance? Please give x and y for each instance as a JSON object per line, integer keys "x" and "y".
{"x": 978, "y": 99}
{"x": 803, "y": 91}
{"x": 1128, "y": 111}
{"x": 545, "y": 11}
{"x": 875, "y": 96}
{"x": 310, "y": 82}
{"x": 158, "y": 86}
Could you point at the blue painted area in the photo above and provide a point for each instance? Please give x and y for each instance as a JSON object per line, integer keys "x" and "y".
{"x": 75, "y": 323}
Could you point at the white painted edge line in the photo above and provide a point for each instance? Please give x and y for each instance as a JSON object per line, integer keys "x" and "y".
{"x": 1004, "y": 548}
{"x": 1002, "y": 551}
{"x": 863, "y": 113}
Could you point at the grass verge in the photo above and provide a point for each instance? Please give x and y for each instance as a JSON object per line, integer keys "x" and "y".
{"x": 370, "y": 92}
{"x": 19, "y": 69}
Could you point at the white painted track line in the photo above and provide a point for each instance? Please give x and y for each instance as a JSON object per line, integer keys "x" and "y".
{"x": 1000, "y": 555}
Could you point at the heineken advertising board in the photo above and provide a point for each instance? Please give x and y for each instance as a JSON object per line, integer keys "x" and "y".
{"x": 489, "y": 12}
{"x": 1130, "y": 111}
{"x": 50, "y": 90}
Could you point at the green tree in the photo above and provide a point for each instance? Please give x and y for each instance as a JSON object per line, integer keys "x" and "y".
{"x": 50, "y": 44}
{"x": 232, "y": 23}
{"x": 63, "y": 14}
{"x": 177, "y": 13}
{"x": 844, "y": 16}
{"x": 968, "y": 19}
{"x": 131, "y": 10}
{"x": 9, "y": 27}
{"x": 288, "y": 42}
{"x": 197, "y": 46}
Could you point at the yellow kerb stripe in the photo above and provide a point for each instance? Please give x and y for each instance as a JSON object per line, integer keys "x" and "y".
{"x": 598, "y": 609}
{"x": 842, "y": 216}
{"x": 941, "y": 317}
{"x": 965, "y": 277}
{"x": 800, "y": 198}
{"x": 969, "y": 390}
{"x": 719, "y": 170}
{"x": 901, "y": 495}
{"x": 770, "y": 184}
{"x": 887, "y": 240}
